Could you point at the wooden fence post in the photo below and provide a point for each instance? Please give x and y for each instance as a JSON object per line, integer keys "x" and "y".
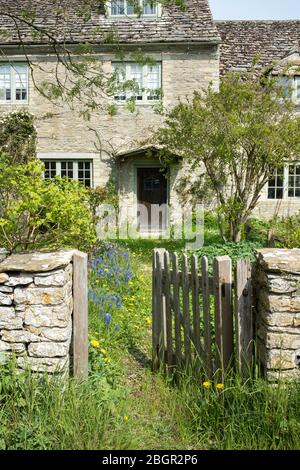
{"x": 176, "y": 298}
{"x": 244, "y": 317}
{"x": 168, "y": 313}
{"x": 158, "y": 310}
{"x": 186, "y": 310}
{"x": 223, "y": 312}
{"x": 80, "y": 315}
{"x": 206, "y": 315}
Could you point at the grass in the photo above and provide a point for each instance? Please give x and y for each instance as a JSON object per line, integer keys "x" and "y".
{"x": 123, "y": 405}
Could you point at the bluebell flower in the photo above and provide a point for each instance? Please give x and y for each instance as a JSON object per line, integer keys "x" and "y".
{"x": 107, "y": 318}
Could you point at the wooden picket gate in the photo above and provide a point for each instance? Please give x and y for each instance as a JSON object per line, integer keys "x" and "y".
{"x": 201, "y": 319}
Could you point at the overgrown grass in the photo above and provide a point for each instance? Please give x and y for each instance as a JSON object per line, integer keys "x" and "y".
{"x": 51, "y": 413}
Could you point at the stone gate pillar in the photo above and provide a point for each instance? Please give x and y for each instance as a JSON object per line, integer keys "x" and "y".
{"x": 277, "y": 287}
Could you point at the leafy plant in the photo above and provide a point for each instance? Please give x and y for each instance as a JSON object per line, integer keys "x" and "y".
{"x": 39, "y": 214}
{"x": 18, "y": 136}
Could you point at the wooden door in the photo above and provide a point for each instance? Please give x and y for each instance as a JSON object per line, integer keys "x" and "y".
{"x": 152, "y": 190}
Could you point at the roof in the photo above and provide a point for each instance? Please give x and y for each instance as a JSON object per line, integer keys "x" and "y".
{"x": 242, "y": 41}
{"x": 174, "y": 25}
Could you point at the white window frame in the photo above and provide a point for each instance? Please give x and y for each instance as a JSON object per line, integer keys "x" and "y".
{"x": 75, "y": 167}
{"x": 134, "y": 15}
{"x": 286, "y": 186}
{"x": 13, "y": 99}
{"x": 292, "y": 82}
{"x": 146, "y": 91}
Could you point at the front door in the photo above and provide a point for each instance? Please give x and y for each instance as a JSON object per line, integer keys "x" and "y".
{"x": 151, "y": 193}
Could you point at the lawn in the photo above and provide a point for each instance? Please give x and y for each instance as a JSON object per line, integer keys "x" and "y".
{"x": 123, "y": 405}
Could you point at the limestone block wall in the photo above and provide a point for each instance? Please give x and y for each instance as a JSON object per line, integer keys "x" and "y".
{"x": 277, "y": 286}
{"x": 36, "y": 310}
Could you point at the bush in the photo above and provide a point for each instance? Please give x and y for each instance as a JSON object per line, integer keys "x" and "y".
{"x": 287, "y": 231}
{"x": 18, "y": 136}
{"x": 39, "y": 214}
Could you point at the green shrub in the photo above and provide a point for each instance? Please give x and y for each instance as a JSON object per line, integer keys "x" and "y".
{"x": 39, "y": 214}
{"x": 287, "y": 231}
{"x": 18, "y": 136}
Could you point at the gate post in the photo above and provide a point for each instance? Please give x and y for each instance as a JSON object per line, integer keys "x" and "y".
{"x": 158, "y": 306}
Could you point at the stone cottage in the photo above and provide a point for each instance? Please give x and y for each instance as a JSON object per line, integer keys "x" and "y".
{"x": 188, "y": 50}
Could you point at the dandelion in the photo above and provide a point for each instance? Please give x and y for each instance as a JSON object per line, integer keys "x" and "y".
{"x": 103, "y": 351}
{"x": 126, "y": 418}
{"x": 206, "y": 384}
{"x": 148, "y": 321}
{"x": 95, "y": 343}
{"x": 220, "y": 386}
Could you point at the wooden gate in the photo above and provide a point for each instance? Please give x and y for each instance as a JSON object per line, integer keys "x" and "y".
{"x": 200, "y": 319}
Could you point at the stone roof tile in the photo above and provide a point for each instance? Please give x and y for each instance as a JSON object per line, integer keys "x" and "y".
{"x": 174, "y": 25}
{"x": 242, "y": 41}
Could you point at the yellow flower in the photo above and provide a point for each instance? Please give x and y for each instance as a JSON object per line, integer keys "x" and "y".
{"x": 206, "y": 384}
{"x": 107, "y": 360}
{"x": 126, "y": 418}
{"x": 95, "y": 343}
{"x": 148, "y": 321}
{"x": 220, "y": 386}
{"x": 103, "y": 351}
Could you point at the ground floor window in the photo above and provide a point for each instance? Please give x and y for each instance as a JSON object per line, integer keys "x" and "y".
{"x": 285, "y": 182}
{"x": 80, "y": 170}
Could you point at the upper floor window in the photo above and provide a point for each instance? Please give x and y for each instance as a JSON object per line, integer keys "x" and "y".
{"x": 139, "y": 82}
{"x": 285, "y": 182}
{"x": 80, "y": 170}
{"x": 13, "y": 83}
{"x": 133, "y": 8}
{"x": 291, "y": 87}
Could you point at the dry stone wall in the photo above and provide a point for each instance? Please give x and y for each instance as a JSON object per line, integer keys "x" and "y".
{"x": 277, "y": 282}
{"x": 36, "y": 307}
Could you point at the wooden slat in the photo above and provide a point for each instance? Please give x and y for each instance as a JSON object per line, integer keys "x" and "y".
{"x": 186, "y": 310}
{"x": 223, "y": 312}
{"x": 206, "y": 316}
{"x": 80, "y": 315}
{"x": 155, "y": 332}
{"x": 244, "y": 317}
{"x": 176, "y": 306}
{"x": 195, "y": 301}
{"x": 168, "y": 324}
{"x": 160, "y": 306}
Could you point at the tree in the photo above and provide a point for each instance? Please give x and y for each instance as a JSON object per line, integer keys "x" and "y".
{"x": 239, "y": 135}
{"x": 18, "y": 136}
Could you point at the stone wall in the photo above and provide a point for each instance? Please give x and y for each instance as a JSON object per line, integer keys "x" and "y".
{"x": 277, "y": 286}
{"x": 36, "y": 307}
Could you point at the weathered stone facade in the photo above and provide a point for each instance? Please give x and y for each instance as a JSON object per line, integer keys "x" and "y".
{"x": 193, "y": 51}
{"x": 36, "y": 307}
{"x": 277, "y": 285}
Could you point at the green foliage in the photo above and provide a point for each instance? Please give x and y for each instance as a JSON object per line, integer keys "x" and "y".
{"x": 287, "y": 231}
{"x": 235, "y": 137}
{"x": 18, "y": 136}
{"x": 37, "y": 214}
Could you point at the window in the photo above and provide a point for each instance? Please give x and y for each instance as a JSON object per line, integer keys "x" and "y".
{"x": 80, "y": 170}
{"x": 285, "y": 182}
{"x": 139, "y": 82}
{"x": 276, "y": 186}
{"x": 133, "y": 8}
{"x": 13, "y": 83}
{"x": 291, "y": 86}
{"x": 294, "y": 181}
